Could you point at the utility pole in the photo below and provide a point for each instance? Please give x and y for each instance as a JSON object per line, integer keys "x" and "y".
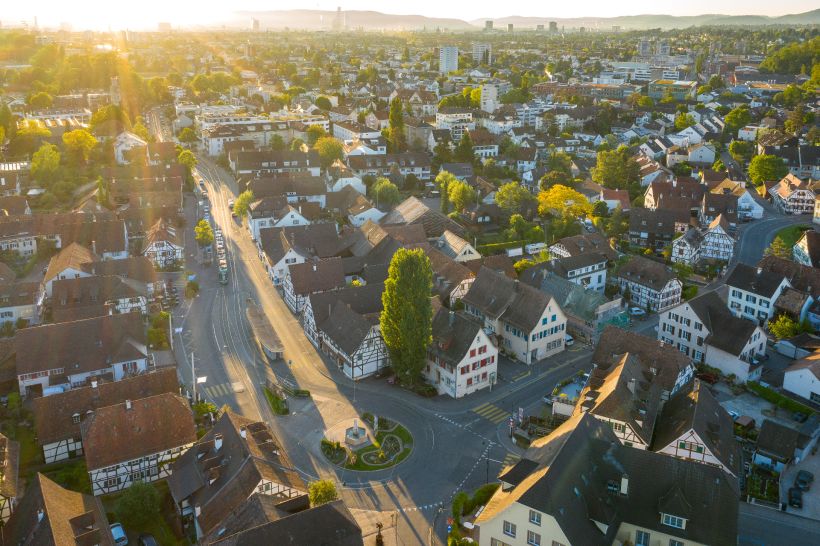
{"x": 193, "y": 377}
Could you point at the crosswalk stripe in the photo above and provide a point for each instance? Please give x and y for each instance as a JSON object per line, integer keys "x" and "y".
{"x": 482, "y": 406}
{"x": 224, "y": 388}
{"x": 490, "y": 412}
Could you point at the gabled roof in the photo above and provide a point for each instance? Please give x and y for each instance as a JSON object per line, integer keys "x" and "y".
{"x": 137, "y": 428}
{"x": 620, "y": 389}
{"x": 73, "y": 256}
{"x": 347, "y": 328}
{"x": 587, "y": 243}
{"x": 329, "y": 524}
{"x": 84, "y": 345}
{"x": 85, "y": 297}
{"x": 811, "y": 240}
{"x": 646, "y": 272}
{"x": 162, "y": 231}
{"x": 577, "y": 480}
{"x": 662, "y": 360}
{"x": 249, "y": 452}
{"x": 317, "y": 276}
{"x": 413, "y": 211}
{"x": 801, "y": 277}
{"x": 697, "y": 409}
{"x": 68, "y": 518}
{"x": 778, "y": 440}
{"x": 754, "y": 279}
{"x": 453, "y": 333}
{"x": 498, "y": 296}
{"x": 810, "y": 363}
{"x": 726, "y": 331}
{"x": 54, "y": 414}
{"x": 9, "y": 468}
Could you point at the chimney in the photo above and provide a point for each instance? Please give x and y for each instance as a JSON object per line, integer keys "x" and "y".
{"x": 624, "y": 485}
{"x": 40, "y": 514}
{"x": 759, "y": 270}
{"x": 217, "y": 442}
{"x": 243, "y": 432}
{"x": 452, "y": 317}
{"x": 197, "y": 510}
{"x": 93, "y": 383}
{"x": 128, "y": 404}
{"x": 93, "y": 246}
{"x": 314, "y": 267}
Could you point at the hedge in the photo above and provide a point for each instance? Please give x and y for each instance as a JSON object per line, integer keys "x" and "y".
{"x": 778, "y": 399}
{"x": 488, "y": 249}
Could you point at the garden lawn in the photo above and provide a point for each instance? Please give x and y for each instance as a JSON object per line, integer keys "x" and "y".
{"x": 791, "y": 234}
{"x": 277, "y": 405}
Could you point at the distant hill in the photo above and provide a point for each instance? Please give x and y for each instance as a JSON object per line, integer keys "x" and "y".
{"x": 657, "y": 21}
{"x": 308, "y": 19}
{"x": 368, "y": 20}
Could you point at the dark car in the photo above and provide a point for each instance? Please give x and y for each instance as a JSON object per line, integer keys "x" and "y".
{"x": 803, "y": 480}
{"x": 800, "y": 417}
{"x": 148, "y": 540}
{"x": 796, "y": 497}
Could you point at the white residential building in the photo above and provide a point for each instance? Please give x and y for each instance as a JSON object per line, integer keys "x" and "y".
{"x": 704, "y": 329}
{"x": 528, "y": 323}
{"x": 447, "y": 59}
{"x": 649, "y": 284}
{"x": 793, "y": 196}
{"x": 803, "y": 378}
{"x": 753, "y": 291}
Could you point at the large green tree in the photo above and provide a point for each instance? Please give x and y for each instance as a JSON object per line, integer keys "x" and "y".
{"x": 512, "y": 196}
{"x": 616, "y": 168}
{"x": 407, "y": 316}
{"x": 242, "y": 202}
{"x": 737, "y": 119}
{"x": 765, "y": 168}
{"x": 45, "y": 164}
{"x": 322, "y": 492}
{"x": 561, "y": 200}
{"x": 461, "y": 195}
{"x": 79, "y": 143}
{"x": 203, "y": 232}
{"x": 464, "y": 149}
{"x": 139, "y": 505}
{"x": 443, "y": 181}
{"x": 396, "y": 120}
{"x": 384, "y": 193}
{"x": 329, "y": 149}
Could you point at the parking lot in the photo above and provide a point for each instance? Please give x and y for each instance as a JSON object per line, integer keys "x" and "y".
{"x": 811, "y": 498}
{"x": 752, "y": 405}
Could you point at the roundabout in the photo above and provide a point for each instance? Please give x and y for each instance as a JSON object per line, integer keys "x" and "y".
{"x": 370, "y": 444}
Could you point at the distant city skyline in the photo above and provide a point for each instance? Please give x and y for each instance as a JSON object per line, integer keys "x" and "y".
{"x": 100, "y": 15}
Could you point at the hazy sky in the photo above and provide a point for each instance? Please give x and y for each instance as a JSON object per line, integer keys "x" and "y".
{"x": 100, "y": 14}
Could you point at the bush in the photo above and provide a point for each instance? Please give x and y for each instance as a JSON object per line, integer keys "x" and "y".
{"x": 689, "y": 292}
{"x": 138, "y": 505}
{"x": 277, "y": 404}
{"x": 778, "y": 399}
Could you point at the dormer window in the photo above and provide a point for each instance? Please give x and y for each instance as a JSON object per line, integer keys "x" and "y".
{"x": 673, "y": 521}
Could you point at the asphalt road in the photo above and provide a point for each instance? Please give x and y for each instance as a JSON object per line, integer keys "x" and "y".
{"x": 759, "y": 526}
{"x": 458, "y": 444}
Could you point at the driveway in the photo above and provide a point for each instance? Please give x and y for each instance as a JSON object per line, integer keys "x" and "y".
{"x": 753, "y": 406}
{"x": 811, "y": 498}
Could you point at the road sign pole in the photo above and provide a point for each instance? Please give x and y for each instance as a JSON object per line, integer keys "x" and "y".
{"x": 193, "y": 377}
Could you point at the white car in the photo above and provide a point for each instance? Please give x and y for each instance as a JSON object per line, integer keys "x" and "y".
{"x": 568, "y": 340}
{"x": 637, "y": 312}
{"x": 118, "y": 533}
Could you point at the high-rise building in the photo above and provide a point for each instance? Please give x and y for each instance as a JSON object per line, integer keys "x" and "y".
{"x": 488, "y": 25}
{"x": 644, "y": 48}
{"x": 509, "y": 27}
{"x": 539, "y": 28}
{"x": 447, "y": 59}
{"x": 114, "y": 91}
{"x": 553, "y": 26}
{"x": 662, "y": 48}
{"x": 483, "y": 53}
{"x": 489, "y": 98}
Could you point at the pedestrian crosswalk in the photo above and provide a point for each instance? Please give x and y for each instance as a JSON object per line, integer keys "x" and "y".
{"x": 511, "y": 459}
{"x": 492, "y": 413}
{"x": 216, "y": 391}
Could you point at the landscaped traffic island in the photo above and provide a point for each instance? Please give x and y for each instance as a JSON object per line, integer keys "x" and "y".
{"x": 372, "y": 443}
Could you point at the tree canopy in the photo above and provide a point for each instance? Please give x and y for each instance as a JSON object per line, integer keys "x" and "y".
{"x": 560, "y": 200}
{"x": 322, "y": 492}
{"x": 616, "y": 168}
{"x": 461, "y": 195}
{"x": 242, "y": 203}
{"x": 203, "y": 233}
{"x": 384, "y": 193}
{"x": 79, "y": 143}
{"x": 765, "y": 168}
{"x": 512, "y": 196}
{"x": 329, "y": 149}
{"x": 138, "y": 505}
{"x": 45, "y": 164}
{"x": 407, "y": 316}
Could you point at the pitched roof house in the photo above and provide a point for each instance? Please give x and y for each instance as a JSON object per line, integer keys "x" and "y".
{"x": 237, "y": 458}
{"x": 58, "y": 417}
{"x": 135, "y": 440}
{"x": 650, "y": 284}
{"x": 52, "y": 515}
{"x": 580, "y": 486}
{"x": 528, "y": 323}
{"x": 113, "y": 346}
{"x": 304, "y": 279}
{"x": 9, "y": 479}
{"x": 414, "y": 211}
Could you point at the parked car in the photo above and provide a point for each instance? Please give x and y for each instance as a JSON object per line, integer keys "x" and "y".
{"x": 148, "y": 540}
{"x": 803, "y": 480}
{"x": 799, "y": 416}
{"x": 707, "y": 377}
{"x": 118, "y": 533}
{"x": 230, "y": 203}
{"x": 637, "y": 312}
{"x": 568, "y": 340}
{"x": 796, "y": 497}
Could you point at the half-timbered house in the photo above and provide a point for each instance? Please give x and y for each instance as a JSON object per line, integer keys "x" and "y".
{"x": 9, "y": 467}
{"x": 135, "y": 441}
